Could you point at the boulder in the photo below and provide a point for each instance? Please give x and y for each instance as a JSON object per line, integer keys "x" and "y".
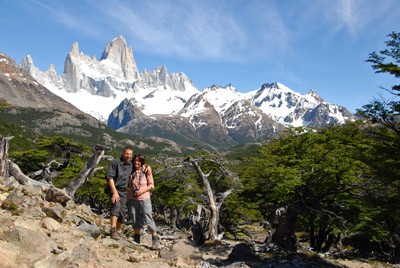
{"x": 51, "y": 224}
{"x": 29, "y": 240}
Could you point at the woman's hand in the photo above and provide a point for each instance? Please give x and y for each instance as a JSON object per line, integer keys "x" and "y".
{"x": 140, "y": 192}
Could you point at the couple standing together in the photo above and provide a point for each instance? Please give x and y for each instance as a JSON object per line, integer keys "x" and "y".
{"x": 130, "y": 183}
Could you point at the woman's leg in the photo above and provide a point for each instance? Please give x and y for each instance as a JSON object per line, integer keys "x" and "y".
{"x": 148, "y": 218}
{"x": 134, "y": 210}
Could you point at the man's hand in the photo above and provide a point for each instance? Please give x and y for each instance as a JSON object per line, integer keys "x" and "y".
{"x": 147, "y": 169}
{"x": 115, "y": 197}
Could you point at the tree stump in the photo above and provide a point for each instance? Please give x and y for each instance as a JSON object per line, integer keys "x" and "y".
{"x": 3, "y": 156}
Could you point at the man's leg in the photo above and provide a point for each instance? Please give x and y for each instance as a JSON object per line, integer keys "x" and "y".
{"x": 115, "y": 212}
{"x": 118, "y": 225}
{"x": 113, "y": 231}
{"x": 123, "y": 199}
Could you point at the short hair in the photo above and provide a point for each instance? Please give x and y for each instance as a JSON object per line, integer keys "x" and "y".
{"x": 128, "y": 147}
{"x": 140, "y": 156}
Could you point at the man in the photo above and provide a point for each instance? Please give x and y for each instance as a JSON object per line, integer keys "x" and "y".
{"x": 118, "y": 179}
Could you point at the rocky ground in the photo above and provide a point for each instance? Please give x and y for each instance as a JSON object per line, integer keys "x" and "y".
{"x": 38, "y": 233}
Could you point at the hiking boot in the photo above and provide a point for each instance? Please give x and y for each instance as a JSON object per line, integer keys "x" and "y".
{"x": 113, "y": 234}
{"x": 136, "y": 238}
{"x": 156, "y": 242}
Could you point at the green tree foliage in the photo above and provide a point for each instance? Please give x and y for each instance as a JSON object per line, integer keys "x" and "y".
{"x": 176, "y": 192}
{"x": 383, "y": 111}
{"x": 46, "y": 149}
{"x": 319, "y": 176}
{"x": 388, "y": 60}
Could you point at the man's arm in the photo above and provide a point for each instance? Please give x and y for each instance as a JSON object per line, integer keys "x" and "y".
{"x": 115, "y": 195}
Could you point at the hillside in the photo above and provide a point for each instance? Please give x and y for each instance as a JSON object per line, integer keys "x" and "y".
{"x": 37, "y": 232}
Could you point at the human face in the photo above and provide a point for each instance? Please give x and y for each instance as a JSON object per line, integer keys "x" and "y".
{"x": 137, "y": 163}
{"x": 127, "y": 155}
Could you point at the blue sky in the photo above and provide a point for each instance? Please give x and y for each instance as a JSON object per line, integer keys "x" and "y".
{"x": 304, "y": 44}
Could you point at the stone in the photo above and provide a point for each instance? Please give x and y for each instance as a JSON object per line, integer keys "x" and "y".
{"x": 242, "y": 252}
{"x": 84, "y": 253}
{"x": 29, "y": 240}
{"x": 32, "y": 212}
{"x": 6, "y": 223}
{"x": 57, "y": 195}
{"x": 51, "y": 224}
{"x": 16, "y": 198}
{"x": 32, "y": 190}
{"x": 90, "y": 230}
{"x": 54, "y": 213}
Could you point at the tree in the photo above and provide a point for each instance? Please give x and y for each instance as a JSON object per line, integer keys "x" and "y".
{"x": 313, "y": 181}
{"x": 218, "y": 182}
{"x": 88, "y": 170}
{"x": 176, "y": 192}
{"x": 383, "y": 111}
{"x": 386, "y": 162}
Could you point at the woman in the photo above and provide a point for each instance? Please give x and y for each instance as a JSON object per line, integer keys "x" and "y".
{"x": 139, "y": 202}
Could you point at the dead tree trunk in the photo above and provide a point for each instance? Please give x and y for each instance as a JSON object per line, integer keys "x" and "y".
{"x": 48, "y": 173}
{"x": 214, "y": 203}
{"x": 88, "y": 170}
{"x": 284, "y": 235}
{"x": 53, "y": 194}
{"x": 196, "y": 227}
{"x": 3, "y": 156}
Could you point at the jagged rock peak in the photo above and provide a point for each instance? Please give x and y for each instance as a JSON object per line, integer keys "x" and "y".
{"x": 118, "y": 52}
{"x": 8, "y": 65}
{"x": 217, "y": 88}
{"x": 74, "y": 50}
{"x": 27, "y": 63}
{"x": 315, "y": 95}
{"x": 28, "y": 66}
{"x": 273, "y": 85}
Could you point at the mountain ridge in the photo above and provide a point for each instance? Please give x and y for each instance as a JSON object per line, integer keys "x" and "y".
{"x": 100, "y": 87}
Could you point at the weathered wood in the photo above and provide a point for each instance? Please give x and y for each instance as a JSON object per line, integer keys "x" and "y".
{"x": 196, "y": 228}
{"x": 16, "y": 172}
{"x": 48, "y": 172}
{"x": 53, "y": 194}
{"x": 215, "y": 201}
{"x": 4, "y": 141}
{"x": 284, "y": 234}
{"x": 88, "y": 170}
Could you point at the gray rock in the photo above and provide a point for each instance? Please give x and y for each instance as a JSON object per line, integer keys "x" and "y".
{"x": 84, "y": 253}
{"x": 57, "y": 195}
{"x": 50, "y": 224}
{"x": 17, "y": 198}
{"x": 90, "y": 229}
{"x": 29, "y": 240}
{"x": 6, "y": 223}
{"x": 32, "y": 190}
{"x": 54, "y": 213}
{"x": 32, "y": 212}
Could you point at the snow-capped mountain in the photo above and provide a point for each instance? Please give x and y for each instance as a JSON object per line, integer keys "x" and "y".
{"x": 169, "y": 105}
{"x": 292, "y": 108}
{"x": 98, "y": 86}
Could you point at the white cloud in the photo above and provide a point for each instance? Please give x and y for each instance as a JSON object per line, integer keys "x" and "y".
{"x": 220, "y": 30}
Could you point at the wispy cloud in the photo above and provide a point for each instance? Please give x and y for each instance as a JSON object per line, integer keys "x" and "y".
{"x": 186, "y": 29}
{"x": 218, "y": 30}
{"x": 361, "y": 16}
{"x": 72, "y": 17}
